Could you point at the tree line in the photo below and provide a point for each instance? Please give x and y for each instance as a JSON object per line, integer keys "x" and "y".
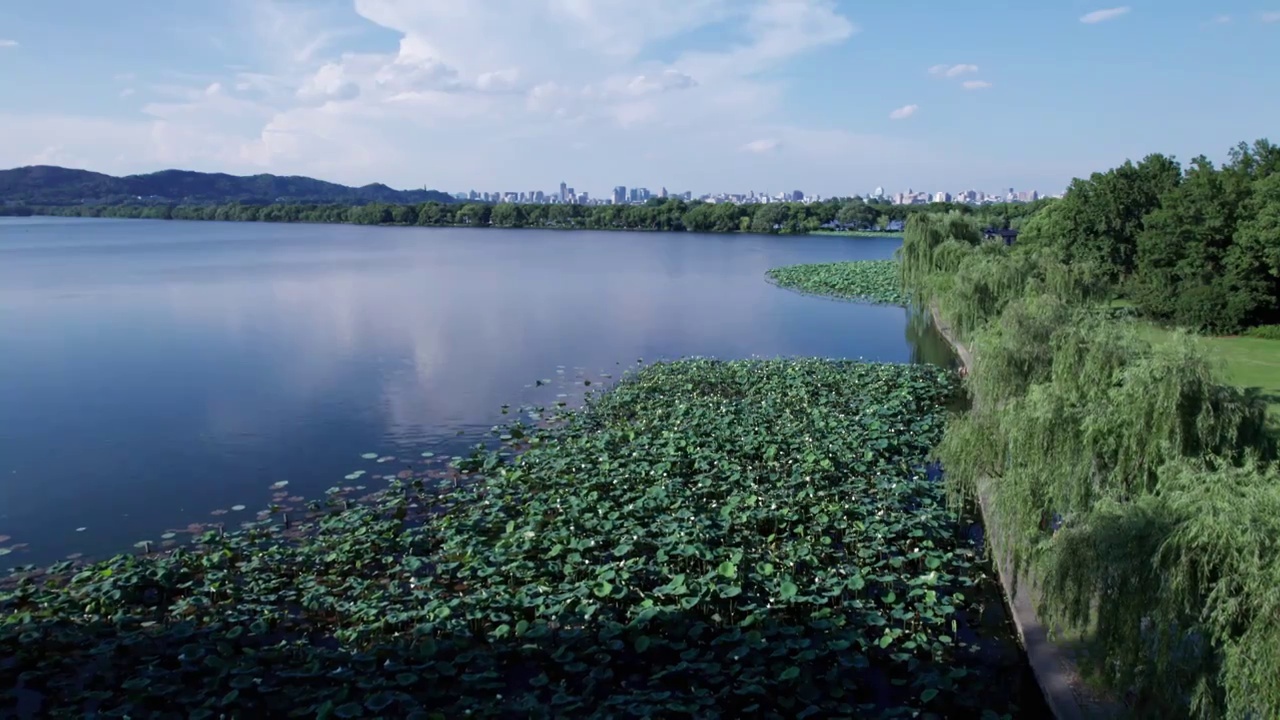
{"x": 1196, "y": 246}
{"x": 656, "y": 215}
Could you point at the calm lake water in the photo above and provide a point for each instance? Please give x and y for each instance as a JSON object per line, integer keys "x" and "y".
{"x": 155, "y": 373}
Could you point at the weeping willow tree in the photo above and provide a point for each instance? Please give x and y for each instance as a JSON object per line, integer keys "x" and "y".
{"x": 944, "y": 262}
{"x": 1181, "y": 585}
{"x": 933, "y": 246}
{"x": 1088, "y": 411}
{"x": 1139, "y": 492}
{"x": 1078, "y": 419}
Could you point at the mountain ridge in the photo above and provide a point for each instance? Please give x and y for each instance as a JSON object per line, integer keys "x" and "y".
{"x": 55, "y": 185}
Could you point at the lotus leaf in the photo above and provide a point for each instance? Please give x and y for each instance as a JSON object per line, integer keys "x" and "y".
{"x": 705, "y": 538}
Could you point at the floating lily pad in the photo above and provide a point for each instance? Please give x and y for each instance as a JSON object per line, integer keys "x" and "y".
{"x": 237, "y": 508}
{"x": 650, "y": 538}
{"x": 875, "y": 281}
{"x": 370, "y": 456}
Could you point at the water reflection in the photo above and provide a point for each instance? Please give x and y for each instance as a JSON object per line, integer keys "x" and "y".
{"x": 928, "y": 346}
{"x": 155, "y": 371}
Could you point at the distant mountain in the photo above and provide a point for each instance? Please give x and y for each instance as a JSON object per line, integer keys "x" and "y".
{"x": 50, "y": 185}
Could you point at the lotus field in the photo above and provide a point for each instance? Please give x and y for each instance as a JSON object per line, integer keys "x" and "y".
{"x": 710, "y": 539}
{"x": 875, "y": 281}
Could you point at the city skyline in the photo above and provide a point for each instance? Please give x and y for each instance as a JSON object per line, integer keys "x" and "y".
{"x": 624, "y": 195}
{"x": 832, "y": 96}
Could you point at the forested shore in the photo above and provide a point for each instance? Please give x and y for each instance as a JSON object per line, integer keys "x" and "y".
{"x": 671, "y": 215}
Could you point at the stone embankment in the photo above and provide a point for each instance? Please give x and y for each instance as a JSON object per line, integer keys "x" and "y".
{"x": 1052, "y": 661}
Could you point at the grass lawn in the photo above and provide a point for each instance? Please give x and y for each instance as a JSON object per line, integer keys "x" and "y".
{"x": 1251, "y": 362}
{"x": 856, "y": 233}
{"x": 1248, "y": 363}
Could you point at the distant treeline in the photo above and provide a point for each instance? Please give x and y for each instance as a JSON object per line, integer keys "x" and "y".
{"x": 668, "y": 215}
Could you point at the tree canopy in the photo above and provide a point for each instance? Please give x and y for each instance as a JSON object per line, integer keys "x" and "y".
{"x": 1194, "y": 246}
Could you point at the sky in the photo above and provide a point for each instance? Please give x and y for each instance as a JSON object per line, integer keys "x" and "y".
{"x": 830, "y": 97}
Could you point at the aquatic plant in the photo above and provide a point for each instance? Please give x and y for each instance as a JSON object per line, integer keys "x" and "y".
{"x": 873, "y": 281}
{"x": 705, "y": 539}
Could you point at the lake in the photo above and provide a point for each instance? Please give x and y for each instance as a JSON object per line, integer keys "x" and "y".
{"x": 160, "y": 374}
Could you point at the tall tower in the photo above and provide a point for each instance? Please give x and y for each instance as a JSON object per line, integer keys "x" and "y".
{"x": 564, "y": 192}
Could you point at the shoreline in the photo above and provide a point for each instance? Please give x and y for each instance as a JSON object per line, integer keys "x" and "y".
{"x": 1052, "y": 662}
{"x": 869, "y": 235}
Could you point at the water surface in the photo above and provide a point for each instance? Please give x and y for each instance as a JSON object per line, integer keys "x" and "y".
{"x": 153, "y": 372}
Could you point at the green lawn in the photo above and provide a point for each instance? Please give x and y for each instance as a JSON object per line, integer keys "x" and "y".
{"x": 1249, "y": 363}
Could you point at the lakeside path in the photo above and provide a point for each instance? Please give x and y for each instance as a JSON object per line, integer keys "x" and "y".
{"x": 1052, "y": 661}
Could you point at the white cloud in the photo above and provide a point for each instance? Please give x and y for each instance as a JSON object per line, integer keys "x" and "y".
{"x": 951, "y": 71}
{"x": 498, "y": 95}
{"x": 976, "y": 84}
{"x": 127, "y": 92}
{"x": 1098, "y": 16}
{"x": 904, "y": 112}
{"x": 328, "y": 83}
{"x": 666, "y": 80}
{"x": 1221, "y": 19}
{"x": 762, "y": 145}
{"x": 8, "y": 43}
{"x": 1269, "y": 17}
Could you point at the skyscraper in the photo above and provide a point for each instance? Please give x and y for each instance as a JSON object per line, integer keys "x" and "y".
{"x": 620, "y": 195}
{"x": 564, "y": 192}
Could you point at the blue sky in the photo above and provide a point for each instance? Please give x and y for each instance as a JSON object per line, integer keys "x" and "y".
{"x": 707, "y": 95}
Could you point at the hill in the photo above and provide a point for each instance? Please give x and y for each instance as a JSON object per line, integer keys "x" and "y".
{"x": 50, "y": 185}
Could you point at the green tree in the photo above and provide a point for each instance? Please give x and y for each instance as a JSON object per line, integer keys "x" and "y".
{"x": 1253, "y": 261}
{"x": 1099, "y": 219}
{"x": 507, "y": 215}
{"x": 474, "y": 214}
{"x": 769, "y": 217}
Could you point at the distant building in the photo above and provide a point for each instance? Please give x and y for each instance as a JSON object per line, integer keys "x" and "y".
{"x": 1007, "y": 235}
{"x": 619, "y": 194}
